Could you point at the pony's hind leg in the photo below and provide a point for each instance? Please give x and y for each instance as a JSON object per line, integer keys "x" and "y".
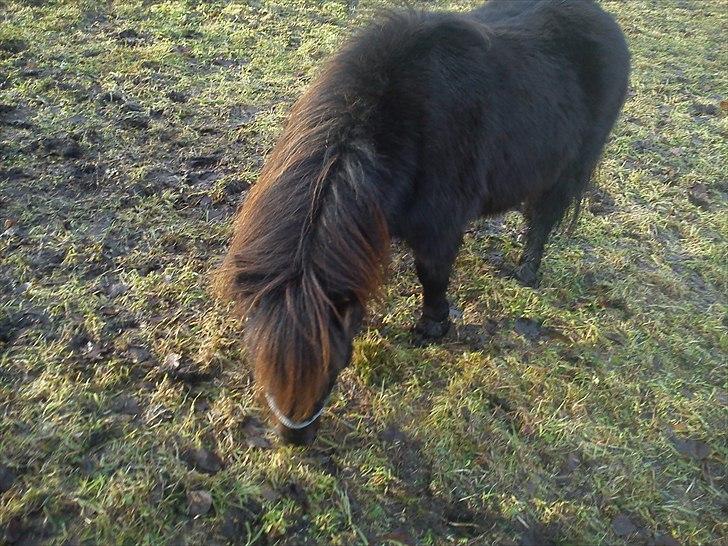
{"x": 542, "y": 215}
{"x": 545, "y": 211}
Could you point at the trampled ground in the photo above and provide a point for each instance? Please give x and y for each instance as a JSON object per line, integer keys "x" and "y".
{"x": 592, "y": 410}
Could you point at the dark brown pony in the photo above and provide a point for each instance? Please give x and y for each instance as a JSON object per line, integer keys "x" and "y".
{"x": 422, "y": 123}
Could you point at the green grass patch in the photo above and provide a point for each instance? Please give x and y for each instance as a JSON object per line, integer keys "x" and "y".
{"x": 592, "y": 410}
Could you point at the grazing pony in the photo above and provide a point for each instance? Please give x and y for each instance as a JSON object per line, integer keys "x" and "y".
{"x": 422, "y": 123}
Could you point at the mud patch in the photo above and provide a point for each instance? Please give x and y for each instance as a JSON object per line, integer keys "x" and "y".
{"x": 256, "y": 434}
{"x": 243, "y": 524}
{"x": 476, "y": 336}
{"x": 201, "y": 459}
{"x": 8, "y": 476}
{"x": 691, "y": 448}
{"x": 537, "y": 534}
{"x": 601, "y": 202}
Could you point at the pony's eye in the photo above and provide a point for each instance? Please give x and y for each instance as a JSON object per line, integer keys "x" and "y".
{"x": 342, "y": 301}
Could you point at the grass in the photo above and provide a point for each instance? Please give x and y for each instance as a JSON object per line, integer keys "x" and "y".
{"x": 592, "y": 410}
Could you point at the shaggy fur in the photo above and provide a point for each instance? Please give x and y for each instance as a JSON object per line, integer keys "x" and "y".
{"x": 423, "y": 122}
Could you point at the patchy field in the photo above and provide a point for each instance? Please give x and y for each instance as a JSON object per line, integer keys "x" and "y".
{"x": 592, "y": 410}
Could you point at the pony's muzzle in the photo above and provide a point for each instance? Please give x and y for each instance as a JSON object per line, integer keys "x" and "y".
{"x": 299, "y": 437}
{"x": 295, "y": 432}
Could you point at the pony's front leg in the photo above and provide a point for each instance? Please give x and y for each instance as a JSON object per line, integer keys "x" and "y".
{"x": 434, "y": 274}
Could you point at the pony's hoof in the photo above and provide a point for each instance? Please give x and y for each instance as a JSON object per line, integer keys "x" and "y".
{"x": 428, "y": 329}
{"x": 526, "y": 275}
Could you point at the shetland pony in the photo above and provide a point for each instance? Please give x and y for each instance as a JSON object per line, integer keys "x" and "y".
{"x": 423, "y": 122}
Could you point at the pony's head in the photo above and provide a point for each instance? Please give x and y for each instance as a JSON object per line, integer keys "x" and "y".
{"x": 309, "y": 249}
{"x": 296, "y": 364}
{"x": 299, "y": 333}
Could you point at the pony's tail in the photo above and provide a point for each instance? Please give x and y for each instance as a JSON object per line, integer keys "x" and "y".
{"x": 592, "y": 160}
{"x": 571, "y": 218}
{"x": 577, "y": 195}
